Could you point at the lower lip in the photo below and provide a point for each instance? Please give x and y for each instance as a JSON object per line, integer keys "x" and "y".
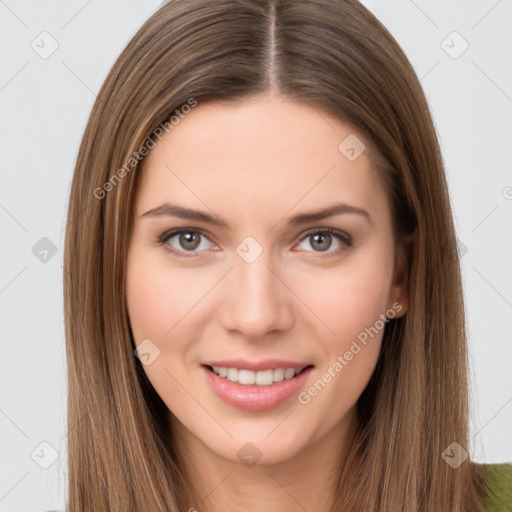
{"x": 255, "y": 398}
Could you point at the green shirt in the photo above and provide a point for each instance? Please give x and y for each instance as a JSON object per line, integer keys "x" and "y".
{"x": 498, "y": 483}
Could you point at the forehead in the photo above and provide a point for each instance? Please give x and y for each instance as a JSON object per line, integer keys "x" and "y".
{"x": 266, "y": 152}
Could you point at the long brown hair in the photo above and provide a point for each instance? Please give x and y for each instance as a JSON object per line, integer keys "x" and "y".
{"x": 334, "y": 56}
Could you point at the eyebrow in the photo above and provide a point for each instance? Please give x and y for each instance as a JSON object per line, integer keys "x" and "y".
{"x": 171, "y": 210}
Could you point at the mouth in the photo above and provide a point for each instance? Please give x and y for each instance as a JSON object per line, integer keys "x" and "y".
{"x": 266, "y": 377}
{"x": 267, "y": 385}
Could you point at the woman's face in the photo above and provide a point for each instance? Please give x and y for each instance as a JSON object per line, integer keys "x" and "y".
{"x": 254, "y": 282}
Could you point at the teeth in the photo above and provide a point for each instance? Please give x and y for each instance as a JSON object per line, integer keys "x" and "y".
{"x": 246, "y": 377}
{"x": 289, "y": 373}
{"x": 278, "y": 374}
{"x": 232, "y": 374}
{"x": 262, "y": 378}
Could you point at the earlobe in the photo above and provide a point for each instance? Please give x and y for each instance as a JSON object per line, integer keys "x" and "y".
{"x": 399, "y": 291}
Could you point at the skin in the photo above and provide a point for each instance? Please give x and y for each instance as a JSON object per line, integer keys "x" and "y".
{"x": 255, "y": 165}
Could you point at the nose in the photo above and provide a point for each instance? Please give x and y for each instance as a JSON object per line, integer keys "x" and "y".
{"x": 255, "y": 300}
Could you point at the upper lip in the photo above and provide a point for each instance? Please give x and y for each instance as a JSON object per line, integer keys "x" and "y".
{"x": 256, "y": 366}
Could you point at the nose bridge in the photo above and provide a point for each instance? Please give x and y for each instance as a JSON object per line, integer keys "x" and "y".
{"x": 256, "y": 301}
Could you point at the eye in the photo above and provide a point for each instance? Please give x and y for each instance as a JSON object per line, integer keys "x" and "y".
{"x": 185, "y": 240}
{"x": 182, "y": 241}
{"x": 321, "y": 239}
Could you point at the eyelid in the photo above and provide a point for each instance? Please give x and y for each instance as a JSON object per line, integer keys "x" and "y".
{"x": 342, "y": 236}
{"x": 332, "y": 231}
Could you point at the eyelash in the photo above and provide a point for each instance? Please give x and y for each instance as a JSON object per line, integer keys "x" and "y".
{"x": 344, "y": 238}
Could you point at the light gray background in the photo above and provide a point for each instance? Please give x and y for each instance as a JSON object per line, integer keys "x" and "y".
{"x": 45, "y": 104}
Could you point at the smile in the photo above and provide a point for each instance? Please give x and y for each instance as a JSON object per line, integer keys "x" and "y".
{"x": 258, "y": 378}
{"x": 256, "y": 389}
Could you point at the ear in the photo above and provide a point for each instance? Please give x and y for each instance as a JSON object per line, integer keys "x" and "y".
{"x": 398, "y": 299}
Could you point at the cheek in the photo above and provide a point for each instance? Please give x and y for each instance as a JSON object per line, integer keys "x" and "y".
{"x": 165, "y": 304}
{"x": 348, "y": 298}
{"x": 145, "y": 301}
{"x": 352, "y": 310}
{"x": 158, "y": 299}
{"x": 159, "y": 304}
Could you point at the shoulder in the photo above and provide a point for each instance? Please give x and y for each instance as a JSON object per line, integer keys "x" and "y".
{"x": 498, "y": 487}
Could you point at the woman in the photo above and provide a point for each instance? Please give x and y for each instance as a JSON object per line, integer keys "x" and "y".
{"x": 262, "y": 288}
